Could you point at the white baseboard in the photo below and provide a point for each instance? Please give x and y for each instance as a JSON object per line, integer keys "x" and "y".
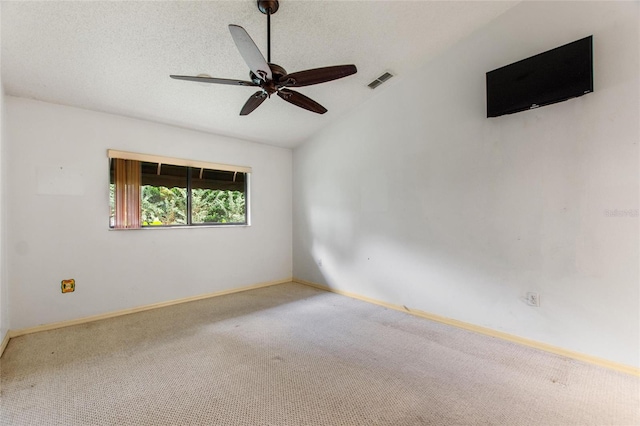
{"x": 487, "y": 331}
{"x": 5, "y": 342}
{"x": 60, "y": 324}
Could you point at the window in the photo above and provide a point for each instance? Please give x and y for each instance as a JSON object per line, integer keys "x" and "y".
{"x": 152, "y": 191}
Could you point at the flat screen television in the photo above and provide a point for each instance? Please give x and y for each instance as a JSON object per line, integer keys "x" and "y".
{"x": 553, "y": 76}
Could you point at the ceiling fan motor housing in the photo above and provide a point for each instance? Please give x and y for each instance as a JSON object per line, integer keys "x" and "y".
{"x": 276, "y": 71}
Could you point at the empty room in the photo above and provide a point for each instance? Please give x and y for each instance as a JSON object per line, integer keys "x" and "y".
{"x": 261, "y": 212}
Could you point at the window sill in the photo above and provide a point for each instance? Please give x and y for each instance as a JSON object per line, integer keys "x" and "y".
{"x": 239, "y": 225}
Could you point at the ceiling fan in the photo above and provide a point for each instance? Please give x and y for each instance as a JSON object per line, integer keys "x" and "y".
{"x": 272, "y": 78}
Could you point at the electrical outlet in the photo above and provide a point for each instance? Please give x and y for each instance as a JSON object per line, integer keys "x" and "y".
{"x": 533, "y": 298}
{"x": 68, "y": 286}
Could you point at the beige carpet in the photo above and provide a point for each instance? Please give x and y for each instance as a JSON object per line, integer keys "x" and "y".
{"x": 294, "y": 355}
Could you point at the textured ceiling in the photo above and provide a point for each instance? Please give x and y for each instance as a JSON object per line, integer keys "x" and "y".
{"x": 116, "y": 57}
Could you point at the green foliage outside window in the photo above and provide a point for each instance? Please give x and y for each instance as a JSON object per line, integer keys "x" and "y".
{"x": 209, "y": 205}
{"x": 168, "y": 206}
{"x": 163, "y": 206}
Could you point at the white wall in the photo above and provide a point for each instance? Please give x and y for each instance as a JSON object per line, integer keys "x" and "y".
{"x": 419, "y": 200}
{"x": 4, "y": 308}
{"x": 56, "y": 237}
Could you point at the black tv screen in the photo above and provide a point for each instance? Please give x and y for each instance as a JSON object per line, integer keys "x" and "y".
{"x": 553, "y": 76}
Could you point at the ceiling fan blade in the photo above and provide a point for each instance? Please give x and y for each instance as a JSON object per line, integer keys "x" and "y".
{"x": 214, "y": 80}
{"x": 301, "y": 100}
{"x": 317, "y": 75}
{"x": 250, "y": 52}
{"x": 254, "y": 102}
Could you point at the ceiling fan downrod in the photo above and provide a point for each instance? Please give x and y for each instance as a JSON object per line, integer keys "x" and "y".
{"x": 268, "y": 7}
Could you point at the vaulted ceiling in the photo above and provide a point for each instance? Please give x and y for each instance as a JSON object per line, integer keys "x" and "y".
{"x": 116, "y": 57}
